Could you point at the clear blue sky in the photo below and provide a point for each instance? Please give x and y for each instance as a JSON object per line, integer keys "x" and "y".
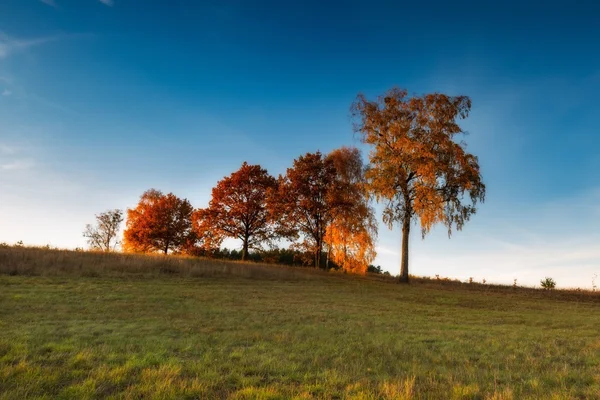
{"x": 101, "y": 100}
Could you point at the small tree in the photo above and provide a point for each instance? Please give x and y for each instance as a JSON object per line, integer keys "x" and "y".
{"x": 548, "y": 283}
{"x": 103, "y": 235}
{"x": 159, "y": 223}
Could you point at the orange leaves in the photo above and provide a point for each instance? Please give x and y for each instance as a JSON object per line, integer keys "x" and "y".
{"x": 351, "y": 234}
{"x": 321, "y": 198}
{"x": 415, "y": 165}
{"x": 159, "y": 223}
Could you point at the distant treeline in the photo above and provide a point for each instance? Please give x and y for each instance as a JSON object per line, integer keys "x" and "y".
{"x": 282, "y": 256}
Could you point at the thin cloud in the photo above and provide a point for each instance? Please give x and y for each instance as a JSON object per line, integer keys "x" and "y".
{"x": 6, "y": 150}
{"x": 385, "y": 250}
{"x": 50, "y": 3}
{"x": 108, "y": 3}
{"x": 17, "y": 165}
{"x": 6, "y": 92}
{"x": 9, "y": 45}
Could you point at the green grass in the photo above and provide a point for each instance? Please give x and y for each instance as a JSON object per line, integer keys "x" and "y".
{"x": 234, "y": 337}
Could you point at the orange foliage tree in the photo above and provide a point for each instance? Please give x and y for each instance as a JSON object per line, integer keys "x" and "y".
{"x": 416, "y": 167}
{"x": 207, "y": 239}
{"x": 159, "y": 223}
{"x": 352, "y": 233}
{"x": 239, "y": 209}
{"x": 308, "y": 201}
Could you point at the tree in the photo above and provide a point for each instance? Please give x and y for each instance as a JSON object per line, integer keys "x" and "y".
{"x": 416, "y": 167}
{"x": 159, "y": 223}
{"x": 308, "y": 201}
{"x": 103, "y": 235}
{"x": 352, "y": 233}
{"x": 207, "y": 240}
{"x": 239, "y": 208}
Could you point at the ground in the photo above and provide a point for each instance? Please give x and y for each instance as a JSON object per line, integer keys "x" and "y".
{"x": 244, "y": 338}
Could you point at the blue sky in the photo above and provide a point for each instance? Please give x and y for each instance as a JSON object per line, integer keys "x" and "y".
{"x": 101, "y": 100}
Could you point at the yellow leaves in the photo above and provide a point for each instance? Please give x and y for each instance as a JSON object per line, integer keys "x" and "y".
{"x": 353, "y": 251}
{"x": 415, "y": 165}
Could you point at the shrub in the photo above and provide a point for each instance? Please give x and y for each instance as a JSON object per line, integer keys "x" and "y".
{"x": 548, "y": 283}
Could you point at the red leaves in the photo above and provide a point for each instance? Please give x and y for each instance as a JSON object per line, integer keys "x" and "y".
{"x": 239, "y": 209}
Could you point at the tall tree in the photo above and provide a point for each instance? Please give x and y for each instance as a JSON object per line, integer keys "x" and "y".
{"x": 352, "y": 233}
{"x": 307, "y": 196}
{"x": 159, "y": 223}
{"x": 239, "y": 208}
{"x": 103, "y": 235}
{"x": 416, "y": 166}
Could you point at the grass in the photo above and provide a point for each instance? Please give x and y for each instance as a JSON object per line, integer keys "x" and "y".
{"x": 275, "y": 332}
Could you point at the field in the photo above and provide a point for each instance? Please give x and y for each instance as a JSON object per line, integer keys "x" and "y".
{"x": 78, "y": 325}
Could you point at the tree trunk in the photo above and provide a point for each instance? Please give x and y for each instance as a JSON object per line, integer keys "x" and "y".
{"x": 318, "y": 255}
{"x": 245, "y": 250}
{"x": 404, "y": 264}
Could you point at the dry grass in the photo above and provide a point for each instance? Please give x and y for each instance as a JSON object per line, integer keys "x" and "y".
{"x": 42, "y": 261}
{"x": 35, "y": 261}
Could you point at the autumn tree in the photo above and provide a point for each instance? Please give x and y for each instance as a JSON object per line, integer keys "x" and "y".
{"x": 239, "y": 209}
{"x": 351, "y": 235}
{"x": 307, "y": 195}
{"x": 416, "y": 166}
{"x": 207, "y": 240}
{"x": 159, "y": 223}
{"x": 103, "y": 236}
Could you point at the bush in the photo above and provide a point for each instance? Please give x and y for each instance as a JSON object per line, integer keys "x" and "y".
{"x": 548, "y": 283}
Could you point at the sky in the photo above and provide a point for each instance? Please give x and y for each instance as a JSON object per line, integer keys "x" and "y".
{"x": 101, "y": 100}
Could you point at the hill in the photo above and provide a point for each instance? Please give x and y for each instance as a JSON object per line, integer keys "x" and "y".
{"x": 84, "y": 325}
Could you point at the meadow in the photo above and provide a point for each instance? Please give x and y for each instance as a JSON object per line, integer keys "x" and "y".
{"x": 83, "y": 325}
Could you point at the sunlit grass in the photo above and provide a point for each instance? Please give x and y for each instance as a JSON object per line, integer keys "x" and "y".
{"x": 179, "y": 336}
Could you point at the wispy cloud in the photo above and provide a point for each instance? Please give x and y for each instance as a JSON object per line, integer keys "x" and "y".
{"x": 108, "y": 3}
{"x": 6, "y": 150}
{"x": 6, "y": 92}
{"x": 387, "y": 251}
{"x": 51, "y": 3}
{"x": 9, "y": 45}
{"x": 13, "y": 159}
{"x": 17, "y": 165}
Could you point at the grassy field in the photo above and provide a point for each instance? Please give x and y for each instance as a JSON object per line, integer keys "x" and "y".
{"x": 76, "y": 332}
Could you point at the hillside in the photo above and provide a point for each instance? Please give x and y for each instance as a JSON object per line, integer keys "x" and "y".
{"x": 80, "y": 325}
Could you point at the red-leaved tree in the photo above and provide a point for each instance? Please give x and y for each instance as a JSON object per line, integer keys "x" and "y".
{"x": 239, "y": 209}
